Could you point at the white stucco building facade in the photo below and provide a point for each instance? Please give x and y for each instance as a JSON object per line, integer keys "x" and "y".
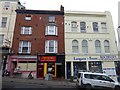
{"x": 7, "y": 20}
{"x": 90, "y": 43}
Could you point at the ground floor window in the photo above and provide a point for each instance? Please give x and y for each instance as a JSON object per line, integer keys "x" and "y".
{"x": 95, "y": 66}
{"x": 27, "y": 65}
{"x": 77, "y": 66}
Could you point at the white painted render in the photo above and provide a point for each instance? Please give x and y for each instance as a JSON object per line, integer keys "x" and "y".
{"x": 90, "y": 36}
{"x": 11, "y": 17}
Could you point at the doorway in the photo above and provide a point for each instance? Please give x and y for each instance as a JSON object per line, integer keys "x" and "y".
{"x": 40, "y": 70}
{"x": 59, "y": 71}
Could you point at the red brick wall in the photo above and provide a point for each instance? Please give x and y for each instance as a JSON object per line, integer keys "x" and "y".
{"x": 38, "y": 23}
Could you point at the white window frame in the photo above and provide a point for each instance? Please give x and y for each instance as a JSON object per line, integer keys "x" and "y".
{"x": 47, "y": 46}
{"x": 4, "y": 22}
{"x": 27, "y": 30}
{"x": 28, "y": 46}
{"x": 51, "y": 32}
{"x": 75, "y": 48}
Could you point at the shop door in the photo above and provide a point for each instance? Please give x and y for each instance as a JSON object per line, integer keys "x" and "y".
{"x": 40, "y": 70}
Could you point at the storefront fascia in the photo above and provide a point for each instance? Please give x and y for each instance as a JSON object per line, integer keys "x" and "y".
{"x": 103, "y": 59}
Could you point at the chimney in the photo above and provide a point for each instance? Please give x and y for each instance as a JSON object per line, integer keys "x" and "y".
{"x": 61, "y": 8}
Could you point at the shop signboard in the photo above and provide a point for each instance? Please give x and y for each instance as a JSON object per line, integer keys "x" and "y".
{"x": 47, "y": 58}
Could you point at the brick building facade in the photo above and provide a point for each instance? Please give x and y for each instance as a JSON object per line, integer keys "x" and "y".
{"x": 38, "y": 43}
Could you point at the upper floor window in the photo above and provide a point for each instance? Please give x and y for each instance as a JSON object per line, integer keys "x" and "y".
{"x": 103, "y": 27}
{"x": 75, "y": 46}
{"x": 84, "y": 46}
{"x": 51, "y": 30}
{"x": 74, "y": 26}
{"x": 26, "y": 30}
{"x": 83, "y": 26}
{"x": 51, "y": 46}
{"x": 95, "y": 26}
{"x": 6, "y": 6}
{"x": 25, "y": 47}
{"x": 51, "y": 19}
{"x": 28, "y": 18}
{"x": 98, "y": 46}
{"x": 106, "y": 46}
{"x": 4, "y": 22}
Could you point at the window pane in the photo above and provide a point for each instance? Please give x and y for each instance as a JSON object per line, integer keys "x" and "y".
{"x": 95, "y": 26}
{"x": 4, "y": 22}
{"x": 84, "y": 46}
{"x": 83, "y": 26}
{"x": 51, "y": 30}
{"x": 24, "y": 47}
{"x": 26, "y": 30}
{"x": 98, "y": 46}
{"x": 51, "y": 46}
{"x": 74, "y": 26}
{"x": 32, "y": 66}
{"x": 51, "y": 19}
{"x": 106, "y": 46}
{"x": 75, "y": 46}
{"x": 103, "y": 27}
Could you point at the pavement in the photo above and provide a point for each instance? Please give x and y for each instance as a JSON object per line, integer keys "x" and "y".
{"x": 57, "y": 82}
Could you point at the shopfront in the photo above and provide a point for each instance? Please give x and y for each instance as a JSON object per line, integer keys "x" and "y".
{"x": 26, "y": 64}
{"x": 50, "y": 64}
{"x": 46, "y": 64}
{"x": 90, "y": 63}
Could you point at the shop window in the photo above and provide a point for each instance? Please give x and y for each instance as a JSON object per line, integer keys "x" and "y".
{"x": 84, "y": 46}
{"x": 98, "y": 46}
{"x": 23, "y": 65}
{"x": 27, "y": 65}
{"x": 25, "y": 47}
{"x": 31, "y": 66}
{"x": 73, "y": 26}
{"x": 106, "y": 46}
{"x": 95, "y": 66}
{"x": 51, "y": 30}
{"x": 83, "y": 27}
{"x": 51, "y": 68}
{"x": 26, "y": 30}
{"x": 4, "y": 22}
{"x": 75, "y": 46}
{"x": 51, "y": 46}
{"x": 95, "y": 26}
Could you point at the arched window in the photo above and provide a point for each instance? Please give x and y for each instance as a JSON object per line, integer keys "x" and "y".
{"x": 84, "y": 46}
{"x": 98, "y": 46}
{"x": 73, "y": 26}
{"x": 75, "y": 46}
{"x": 106, "y": 46}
